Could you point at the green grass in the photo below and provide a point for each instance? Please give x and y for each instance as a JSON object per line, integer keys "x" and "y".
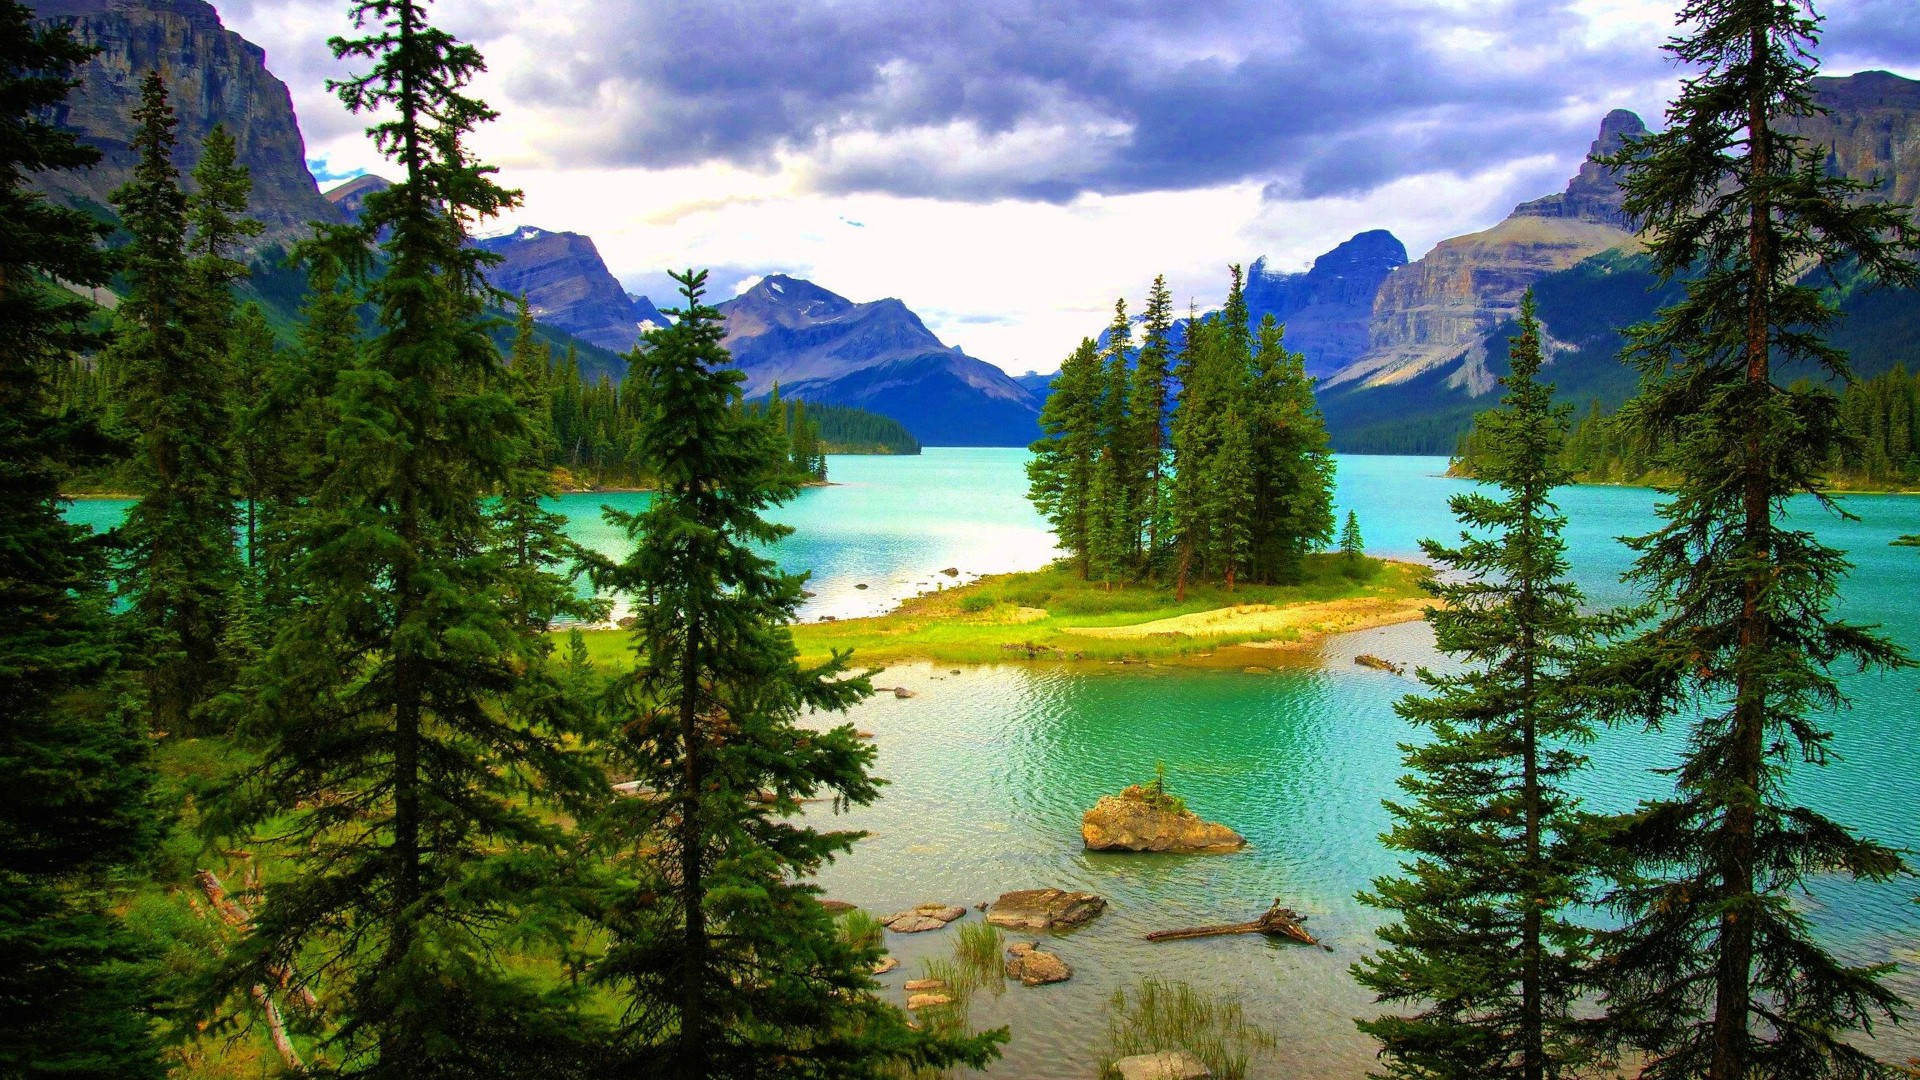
{"x": 1027, "y": 616}
{"x": 1162, "y": 1016}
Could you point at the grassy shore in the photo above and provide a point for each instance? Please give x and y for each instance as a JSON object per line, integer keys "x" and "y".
{"x": 1052, "y": 615}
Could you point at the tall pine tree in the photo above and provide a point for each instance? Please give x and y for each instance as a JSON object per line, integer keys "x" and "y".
{"x": 1148, "y": 415}
{"x": 170, "y": 361}
{"x": 1485, "y": 948}
{"x": 73, "y": 810}
{"x": 409, "y": 759}
{"x": 1714, "y": 972}
{"x": 1060, "y": 476}
{"x": 731, "y": 967}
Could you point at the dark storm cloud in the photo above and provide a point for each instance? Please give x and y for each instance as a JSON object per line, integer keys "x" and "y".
{"x": 1321, "y": 97}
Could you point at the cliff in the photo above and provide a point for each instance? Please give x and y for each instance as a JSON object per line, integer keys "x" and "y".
{"x": 214, "y": 76}
{"x": 1327, "y": 309}
{"x": 1427, "y": 313}
{"x": 568, "y": 285}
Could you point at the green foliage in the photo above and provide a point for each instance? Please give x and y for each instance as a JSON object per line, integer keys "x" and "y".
{"x": 1249, "y": 490}
{"x": 416, "y": 757}
{"x": 1163, "y": 1016}
{"x": 1352, "y": 548}
{"x": 1485, "y": 945}
{"x": 75, "y": 997}
{"x": 1713, "y": 971}
{"x": 1060, "y": 477}
{"x": 726, "y": 965}
{"x": 169, "y": 361}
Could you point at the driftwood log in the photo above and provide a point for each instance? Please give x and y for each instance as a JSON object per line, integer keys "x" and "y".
{"x": 1277, "y": 922}
{"x": 235, "y": 916}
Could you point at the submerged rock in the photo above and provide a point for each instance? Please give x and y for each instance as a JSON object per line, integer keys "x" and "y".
{"x": 927, "y": 1001}
{"x": 1138, "y": 820}
{"x": 1034, "y": 966}
{"x": 885, "y": 964}
{"x": 1045, "y": 909}
{"x": 1368, "y": 660}
{"x": 922, "y": 918}
{"x": 1165, "y": 1065}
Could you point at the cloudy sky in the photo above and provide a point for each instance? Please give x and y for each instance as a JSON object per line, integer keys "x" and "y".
{"x": 1009, "y": 167}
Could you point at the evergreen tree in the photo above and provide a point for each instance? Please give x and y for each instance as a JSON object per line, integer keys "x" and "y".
{"x": 1714, "y": 972}
{"x": 531, "y": 536}
{"x": 254, "y": 360}
{"x": 1116, "y": 508}
{"x": 170, "y": 360}
{"x": 73, "y": 1002}
{"x": 1350, "y": 544}
{"x": 1148, "y": 414}
{"x": 290, "y": 424}
{"x": 1195, "y": 439}
{"x": 415, "y": 757}
{"x": 1232, "y": 495}
{"x": 1060, "y": 476}
{"x": 1484, "y": 946}
{"x": 1289, "y": 460}
{"x": 732, "y": 967}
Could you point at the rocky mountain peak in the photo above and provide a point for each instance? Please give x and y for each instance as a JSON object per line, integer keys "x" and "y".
{"x": 351, "y": 197}
{"x": 213, "y": 75}
{"x": 1326, "y": 308}
{"x": 1594, "y": 193}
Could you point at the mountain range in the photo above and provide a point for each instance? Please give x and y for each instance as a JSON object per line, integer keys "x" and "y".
{"x": 1406, "y": 351}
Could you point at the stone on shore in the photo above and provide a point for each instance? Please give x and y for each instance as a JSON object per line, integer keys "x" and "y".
{"x": 920, "y": 919}
{"x": 1034, "y": 966}
{"x": 1044, "y": 909}
{"x": 1135, "y": 820}
{"x": 1165, "y": 1065}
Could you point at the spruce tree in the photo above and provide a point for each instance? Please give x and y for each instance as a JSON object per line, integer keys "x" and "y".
{"x": 1148, "y": 414}
{"x": 74, "y": 1002}
{"x": 1060, "y": 476}
{"x": 1232, "y": 497}
{"x": 730, "y": 966}
{"x": 1351, "y": 546}
{"x": 1116, "y": 509}
{"x": 170, "y": 360}
{"x": 531, "y": 536}
{"x": 1485, "y": 947}
{"x": 1715, "y": 972}
{"x": 1195, "y": 437}
{"x": 253, "y": 357}
{"x": 1289, "y": 459}
{"x": 416, "y": 759}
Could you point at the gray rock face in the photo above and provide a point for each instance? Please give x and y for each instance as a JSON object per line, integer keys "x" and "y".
{"x": 1165, "y": 1065}
{"x": 1045, "y": 909}
{"x": 1594, "y": 192}
{"x": 1325, "y": 309}
{"x": 568, "y": 285}
{"x": 213, "y": 75}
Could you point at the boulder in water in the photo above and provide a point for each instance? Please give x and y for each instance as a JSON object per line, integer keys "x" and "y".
{"x": 1044, "y": 909}
{"x": 1140, "y": 819}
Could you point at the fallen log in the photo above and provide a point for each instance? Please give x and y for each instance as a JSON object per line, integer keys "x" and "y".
{"x": 1277, "y": 922}
{"x": 235, "y": 916}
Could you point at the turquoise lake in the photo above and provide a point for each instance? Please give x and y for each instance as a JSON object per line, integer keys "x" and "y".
{"x": 990, "y": 768}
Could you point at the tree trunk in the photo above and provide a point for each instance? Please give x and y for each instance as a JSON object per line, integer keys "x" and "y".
{"x": 1733, "y": 992}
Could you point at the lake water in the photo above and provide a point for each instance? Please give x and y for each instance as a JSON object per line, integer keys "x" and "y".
{"x": 991, "y": 768}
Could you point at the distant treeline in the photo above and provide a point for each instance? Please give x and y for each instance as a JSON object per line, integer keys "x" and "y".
{"x": 1879, "y": 448}
{"x": 592, "y": 424}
